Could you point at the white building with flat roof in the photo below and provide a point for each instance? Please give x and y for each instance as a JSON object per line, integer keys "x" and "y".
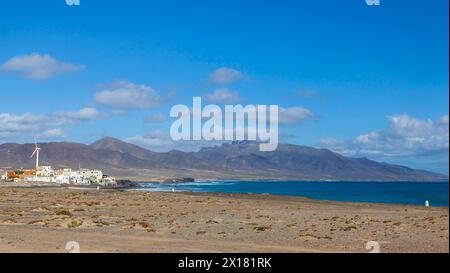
{"x": 45, "y": 171}
{"x": 94, "y": 175}
{"x": 62, "y": 179}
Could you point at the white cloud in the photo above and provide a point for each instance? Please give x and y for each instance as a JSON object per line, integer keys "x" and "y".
{"x": 48, "y": 125}
{"x": 294, "y": 115}
{"x": 127, "y": 95}
{"x": 52, "y": 134}
{"x": 226, "y": 75}
{"x": 157, "y": 134}
{"x": 224, "y": 96}
{"x": 39, "y": 67}
{"x": 331, "y": 142}
{"x": 88, "y": 113}
{"x": 16, "y": 123}
{"x": 153, "y": 144}
{"x": 405, "y": 136}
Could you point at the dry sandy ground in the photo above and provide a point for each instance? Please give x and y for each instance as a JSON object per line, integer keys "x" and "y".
{"x": 45, "y": 219}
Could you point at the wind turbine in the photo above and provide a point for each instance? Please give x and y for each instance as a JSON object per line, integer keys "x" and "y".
{"x": 36, "y": 152}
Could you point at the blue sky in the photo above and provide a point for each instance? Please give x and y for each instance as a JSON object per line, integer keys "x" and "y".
{"x": 361, "y": 80}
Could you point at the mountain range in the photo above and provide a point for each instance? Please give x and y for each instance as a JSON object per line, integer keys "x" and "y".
{"x": 238, "y": 160}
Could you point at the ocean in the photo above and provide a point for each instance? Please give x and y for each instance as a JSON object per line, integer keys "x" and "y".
{"x": 407, "y": 193}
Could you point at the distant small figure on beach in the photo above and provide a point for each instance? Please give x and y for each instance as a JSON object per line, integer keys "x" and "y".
{"x": 427, "y": 204}
{"x": 173, "y": 190}
{"x": 98, "y": 188}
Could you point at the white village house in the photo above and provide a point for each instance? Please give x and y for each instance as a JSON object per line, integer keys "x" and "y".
{"x": 69, "y": 176}
{"x": 65, "y": 176}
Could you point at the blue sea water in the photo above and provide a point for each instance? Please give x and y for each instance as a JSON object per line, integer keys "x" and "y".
{"x": 409, "y": 193}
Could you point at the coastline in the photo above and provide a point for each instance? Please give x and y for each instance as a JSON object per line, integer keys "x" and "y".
{"x": 279, "y": 179}
{"x": 44, "y": 219}
{"x": 401, "y": 193}
{"x": 189, "y": 187}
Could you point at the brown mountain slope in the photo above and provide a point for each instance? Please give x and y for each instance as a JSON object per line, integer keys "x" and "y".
{"x": 240, "y": 160}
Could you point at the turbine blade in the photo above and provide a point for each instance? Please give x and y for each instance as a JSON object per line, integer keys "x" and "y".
{"x": 33, "y": 153}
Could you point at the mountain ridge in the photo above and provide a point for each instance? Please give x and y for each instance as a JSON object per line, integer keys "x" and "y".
{"x": 237, "y": 160}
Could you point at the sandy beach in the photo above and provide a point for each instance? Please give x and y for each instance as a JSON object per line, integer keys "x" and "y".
{"x": 44, "y": 219}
